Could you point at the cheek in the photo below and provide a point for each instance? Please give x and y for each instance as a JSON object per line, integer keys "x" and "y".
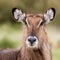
{"x": 25, "y": 34}
{"x": 40, "y": 42}
{"x": 41, "y": 37}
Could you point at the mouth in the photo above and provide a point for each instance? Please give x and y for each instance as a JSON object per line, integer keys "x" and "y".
{"x": 32, "y": 42}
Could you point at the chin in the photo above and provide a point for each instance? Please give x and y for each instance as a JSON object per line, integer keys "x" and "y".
{"x": 34, "y": 47}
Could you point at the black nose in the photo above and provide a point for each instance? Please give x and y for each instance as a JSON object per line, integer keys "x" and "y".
{"x": 31, "y": 40}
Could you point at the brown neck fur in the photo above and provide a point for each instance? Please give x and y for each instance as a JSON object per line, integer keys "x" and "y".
{"x": 30, "y": 54}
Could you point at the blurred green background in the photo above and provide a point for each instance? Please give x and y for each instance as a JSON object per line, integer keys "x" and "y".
{"x": 11, "y": 32}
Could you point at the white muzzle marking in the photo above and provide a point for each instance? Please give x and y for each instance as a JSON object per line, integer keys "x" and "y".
{"x": 33, "y": 42}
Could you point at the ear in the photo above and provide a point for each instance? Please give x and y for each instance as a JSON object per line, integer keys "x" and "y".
{"x": 49, "y": 15}
{"x": 18, "y": 14}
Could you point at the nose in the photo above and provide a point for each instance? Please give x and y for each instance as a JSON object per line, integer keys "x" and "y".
{"x": 32, "y": 40}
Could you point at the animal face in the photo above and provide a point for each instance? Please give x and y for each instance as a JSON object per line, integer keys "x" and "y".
{"x": 34, "y": 32}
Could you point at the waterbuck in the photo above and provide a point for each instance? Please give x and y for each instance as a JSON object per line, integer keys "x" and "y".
{"x": 35, "y": 44}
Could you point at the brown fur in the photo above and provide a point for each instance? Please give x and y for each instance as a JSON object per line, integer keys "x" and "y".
{"x": 42, "y": 52}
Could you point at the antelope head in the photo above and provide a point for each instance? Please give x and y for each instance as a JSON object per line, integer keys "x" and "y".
{"x": 34, "y": 32}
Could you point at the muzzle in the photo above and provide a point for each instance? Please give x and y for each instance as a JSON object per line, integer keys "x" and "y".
{"x": 32, "y": 41}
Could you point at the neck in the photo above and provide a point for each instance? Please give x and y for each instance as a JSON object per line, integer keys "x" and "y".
{"x": 30, "y": 54}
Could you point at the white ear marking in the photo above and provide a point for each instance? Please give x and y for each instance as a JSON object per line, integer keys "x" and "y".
{"x": 49, "y": 15}
{"x": 21, "y": 17}
{"x": 46, "y": 17}
{"x": 18, "y": 15}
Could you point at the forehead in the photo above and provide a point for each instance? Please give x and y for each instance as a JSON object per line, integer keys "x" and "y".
{"x": 34, "y": 17}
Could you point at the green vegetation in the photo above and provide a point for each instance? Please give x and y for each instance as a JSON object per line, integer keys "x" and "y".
{"x": 10, "y": 36}
{"x": 56, "y": 54}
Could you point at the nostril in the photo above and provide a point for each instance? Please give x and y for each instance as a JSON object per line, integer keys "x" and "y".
{"x": 31, "y": 40}
{"x": 34, "y": 40}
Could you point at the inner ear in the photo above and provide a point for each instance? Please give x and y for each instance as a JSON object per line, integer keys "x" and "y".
{"x": 18, "y": 15}
{"x": 53, "y": 11}
{"x": 49, "y": 15}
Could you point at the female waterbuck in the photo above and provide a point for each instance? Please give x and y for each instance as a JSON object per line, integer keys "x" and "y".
{"x": 35, "y": 44}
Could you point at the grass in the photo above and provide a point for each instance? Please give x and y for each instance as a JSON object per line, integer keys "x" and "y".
{"x": 10, "y": 36}
{"x": 56, "y": 54}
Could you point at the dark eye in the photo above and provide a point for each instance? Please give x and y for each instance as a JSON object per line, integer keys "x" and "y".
{"x": 26, "y": 22}
{"x": 41, "y": 23}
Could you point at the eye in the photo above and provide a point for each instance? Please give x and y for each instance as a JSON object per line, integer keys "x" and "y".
{"x": 41, "y": 22}
{"x": 26, "y": 22}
